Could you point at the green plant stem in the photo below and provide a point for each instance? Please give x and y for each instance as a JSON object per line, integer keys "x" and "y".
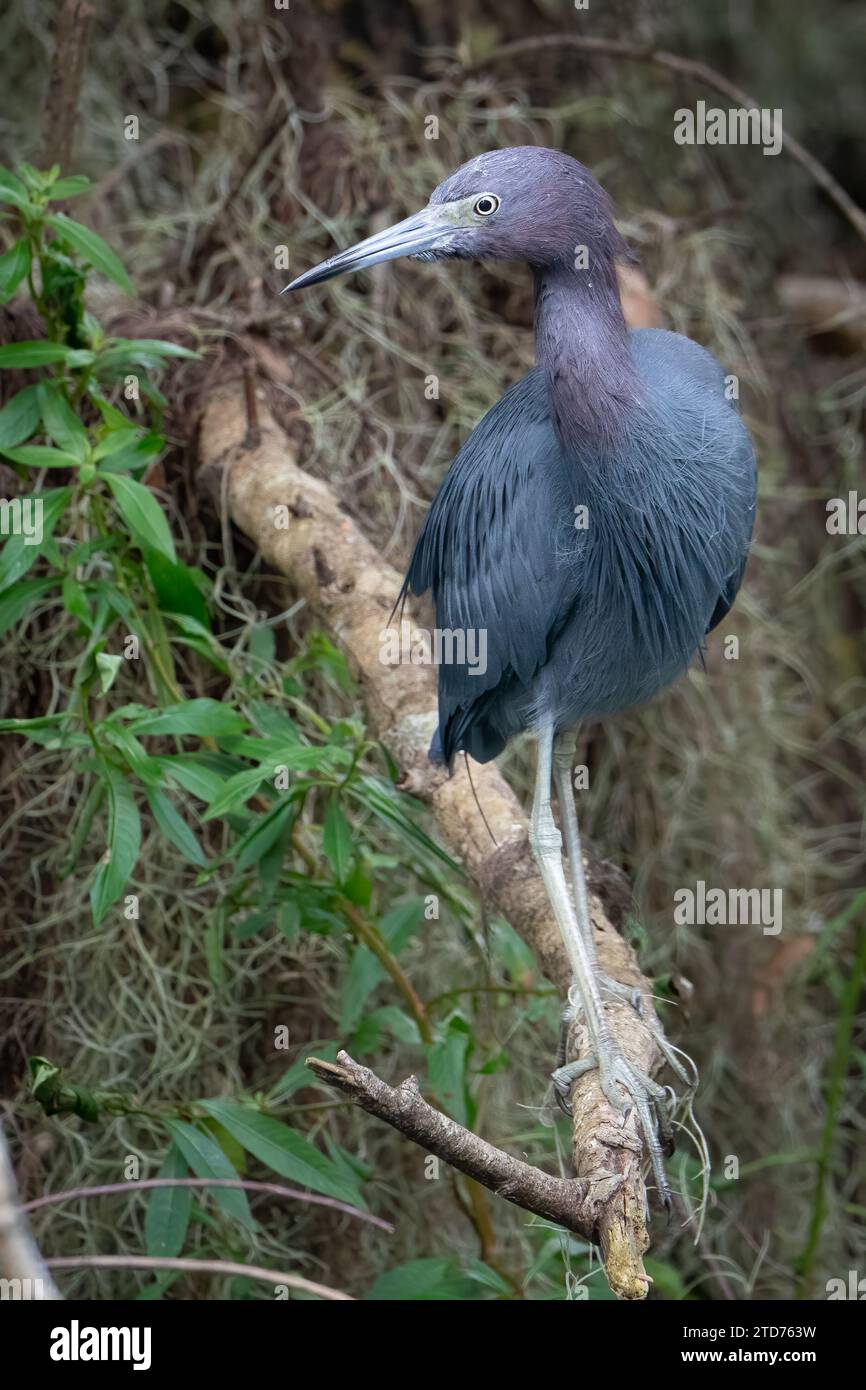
{"x": 365, "y": 932}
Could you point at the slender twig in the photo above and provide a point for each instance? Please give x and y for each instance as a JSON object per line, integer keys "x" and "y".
{"x": 365, "y": 932}
{"x": 698, "y": 72}
{"x": 143, "y": 1184}
{"x": 555, "y": 1199}
{"x": 268, "y": 1276}
{"x": 518, "y": 990}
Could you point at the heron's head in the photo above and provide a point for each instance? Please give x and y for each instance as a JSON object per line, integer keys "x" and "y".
{"x": 522, "y": 204}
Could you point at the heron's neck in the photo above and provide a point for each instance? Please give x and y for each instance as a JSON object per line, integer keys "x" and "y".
{"x": 582, "y": 345}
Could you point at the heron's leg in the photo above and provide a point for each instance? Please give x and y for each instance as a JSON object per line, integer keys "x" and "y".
{"x": 620, "y": 1080}
{"x": 563, "y": 752}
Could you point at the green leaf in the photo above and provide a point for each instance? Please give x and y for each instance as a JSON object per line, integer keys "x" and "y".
{"x": 17, "y": 555}
{"x": 289, "y": 921}
{"x": 282, "y": 1149}
{"x": 12, "y": 190}
{"x": 119, "y": 438}
{"x": 207, "y": 1160}
{"x": 168, "y": 1210}
{"x": 14, "y": 265}
{"x": 124, "y": 843}
{"x": 27, "y": 726}
{"x": 358, "y": 886}
{"x": 423, "y": 1279}
{"x": 365, "y": 972}
{"x": 235, "y": 792}
{"x": 175, "y": 828}
{"x": 391, "y": 807}
{"x": 137, "y": 451}
{"x": 15, "y": 602}
{"x": 37, "y": 180}
{"x": 446, "y": 1070}
{"x": 298, "y": 757}
{"x": 298, "y": 1075}
{"x": 37, "y": 352}
{"x": 265, "y": 832}
{"x": 359, "y": 981}
{"x": 337, "y": 839}
{"x": 133, "y": 752}
{"x": 403, "y": 919}
{"x": 61, "y": 422}
{"x": 489, "y": 1278}
{"x": 142, "y": 514}
{"x": 233, "y": 1151}
{"x": 196, "y": 777}
{"x": 140, "y": 352}
{"x": 108, "y": 667}
{"x": 273, "y": 722}
{"x": 69, "y": 187}
{"x": 666, "y": 1280}
{"x": 206, "y": 717}
{"x": 20, "y": 417}
{"x": 178, "y": 587}
{"x": 394, "y": 1020}
{"x": 41, "y": 456}
{"x": 75, "y": 600}
{"x": 94, "y": 250}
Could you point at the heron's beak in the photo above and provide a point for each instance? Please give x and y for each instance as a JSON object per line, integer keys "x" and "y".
{"x": 420, "y": 232}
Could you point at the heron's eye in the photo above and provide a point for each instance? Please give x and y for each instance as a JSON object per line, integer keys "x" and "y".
{"x": 486, "y": 205}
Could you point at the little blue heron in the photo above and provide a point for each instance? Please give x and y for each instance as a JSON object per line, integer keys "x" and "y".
{"x": 595, "y": 525}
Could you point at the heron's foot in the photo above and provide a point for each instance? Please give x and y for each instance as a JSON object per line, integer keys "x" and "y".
{"x": 630, "y": 994}
{"x": 626, "y": 1088}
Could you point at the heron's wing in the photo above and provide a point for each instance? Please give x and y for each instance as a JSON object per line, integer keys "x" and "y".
{"x": 499, "y": 553}
{"x": 727, "y": 596}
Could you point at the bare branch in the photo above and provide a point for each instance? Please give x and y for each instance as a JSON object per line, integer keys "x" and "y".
{"x": 267, "y": 1276}
{"x": 556, "y": 1199}
{"x": 107, "y": 1189}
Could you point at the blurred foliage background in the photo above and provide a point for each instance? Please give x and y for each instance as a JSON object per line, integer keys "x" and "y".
{"x": 259, "y": 128}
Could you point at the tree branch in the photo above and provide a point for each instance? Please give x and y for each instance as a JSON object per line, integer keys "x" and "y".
{"x": 273, "y": 1189}
{"x": 154, "y": 1262}
{"x": 405, "y": 1109}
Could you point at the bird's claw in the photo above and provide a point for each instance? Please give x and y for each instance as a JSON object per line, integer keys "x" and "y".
{"x": 627, "y": 1089}
{"x": 631, "y": 994}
